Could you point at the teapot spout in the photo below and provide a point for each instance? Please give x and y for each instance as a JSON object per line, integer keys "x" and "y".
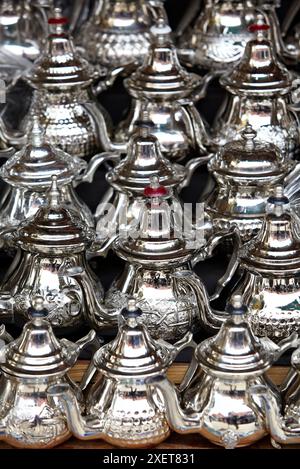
{"x": 191, "y": 167}
{"x": 179, "y": 420}
{"x": 84, "y": 428}
{"x": 279, "y": 430}
{"x": 103, "y": 136}
{"x": 97, "y": 313}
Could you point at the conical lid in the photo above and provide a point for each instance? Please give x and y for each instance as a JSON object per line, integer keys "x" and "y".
{"x": 247, "y": 158}
{"x": 54, "y": 228}
{"x": 37, "y": 352}
{"x": 234, "y": 350}
{"x": 34, "y": 165}
{"x": 259, "y": 70}
{"x": 144, "y": 159}
{"x": 133, "y": 352}
{"x": 60, "y": 65}
{"x": 158, "y": 235}
{"x": 276, "y": 249}
{"x": 161, "y": 74}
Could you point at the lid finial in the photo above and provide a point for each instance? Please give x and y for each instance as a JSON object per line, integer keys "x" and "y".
{"x": 131, "y": 313}
{"x": 260, "y": 27}
{"x": 54, "y": 193}
{"x": 249, "y": 135}
{"x": 236, "y": 308}
{"x": 37, "y": 310}
{"x": 160, "y": 30}
{"x": 37, "y": 132}
{"x": 278, "y": 202}
{"x": 155, "y": 189}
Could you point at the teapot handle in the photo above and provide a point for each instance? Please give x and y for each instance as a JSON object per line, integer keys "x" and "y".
{"x": 207, "y": 251}
{"x": 4, "y": 335}
{"x": 111, "y": 76}
{"x": 157, "y": 10}
{"x": 6, "y": 306}
{"x": 201, "y": 136}
{"x": 95, "y": 162}
{"x": 186, "y": 342}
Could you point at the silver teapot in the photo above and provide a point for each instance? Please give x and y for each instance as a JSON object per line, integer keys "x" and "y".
{"x": 117, "y": 33}
{"x": 167, "y": 92}
{"x": 217, "y": 399}
{"x": 261, "y": 93}
{"x": 218, "y": 38}
{"x": 28, "y": 174}
{"x": 123, "y": 407}
{"x": 63, "y": 85}
{"x": 269, "y": 264}
{"x": 159, "y": 253}
{"x": 283, "y": 421}
{"x": 51, "y": 262}
{"x": 143, "y": 163}
{"x": 246, "y": 171}
{"x": 29, "y": 365}
{"x": 22, "y": 27}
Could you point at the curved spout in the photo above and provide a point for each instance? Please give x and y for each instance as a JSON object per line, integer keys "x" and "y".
{"x": 191, "y": 167}
{"x": 97, "y": 313}
{"x": 179, "y": 420}
{"x": 289, "y": 17}
{"x": 95, "y": 162}
{"x": 278, "y": 429}
{"x": 281, "y": 48}
{"x": 291, "y": 182}
{"x": 81, "y": 427}
{"x": 12, "y": 138}
{"x": 104, "y": 138}
{"x": 276, "y": 350}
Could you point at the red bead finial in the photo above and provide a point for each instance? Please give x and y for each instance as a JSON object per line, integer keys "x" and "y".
{"x": 256, "y": 27}
{"x": 62, "y": 20}
{"x": 155, "y": 189}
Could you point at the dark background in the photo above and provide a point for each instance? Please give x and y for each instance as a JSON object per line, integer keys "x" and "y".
{"x": 117, "y": 102}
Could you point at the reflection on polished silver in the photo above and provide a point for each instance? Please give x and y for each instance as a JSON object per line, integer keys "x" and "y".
{"x": 260, "y": 90}
{"x": 284, "y": 427}
{"x": 28, "y": 366}
{"x": 51, "y": 262}
{"x": 217, "y": 397}
{"x": 28, "y": 174}
{"x": 163, "y": 88}
{"x": 158, "y": 273}
{"x": 117, "y": 34}
{"x": 270, "y": 265}
{"x": 245, "y": 172}
{"x": 22, "y": 26}
{"x": 122, "y": 202}
{"x": 124, "y": 406}
{"x": 62, "y": 82}
{"x": 219, "y": 36}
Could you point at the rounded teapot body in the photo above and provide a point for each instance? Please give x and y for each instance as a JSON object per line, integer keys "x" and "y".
{"x": 228, "y": 418}
{"x": 173, "y": 125}
{"x": 67, "y": 123}
{"x": 118, "y": 34}
{"x": 28, "y": 419}
{"x": 273, "y": 303}
{"x": 220, "y": 34}
{"x": 170, "y": 307}
{"x": 132, "y": 412}
{"x": 269, "y": 117}
{"x": 20, "y": 203}
{"x": 242, "y": 206}
{"x": 66, "y": 299}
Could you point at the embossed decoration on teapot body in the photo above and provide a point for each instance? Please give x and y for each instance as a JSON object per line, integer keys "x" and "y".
{"x": 67, "y": 123}
{"x": 273, "y": 303}
{"x": 136, "y": 409}
{"x": 29, "y": 419}
{"x": 47, "y": 276}
{"x": 170, "y": 309}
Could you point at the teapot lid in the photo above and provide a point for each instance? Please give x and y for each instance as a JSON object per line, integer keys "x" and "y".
{"x": 248, "y": 158}
{"x": 157, "y": 235}
{"x": 276, "y": 248}
{"x": 60, "y": 65}
{"x": 234, "y": 350}
{"x": 144, "y": 159}
{"x": 34, "y": 165}
{"x": 259, "y": 71}
{"x": 54, "y": 227}
{"x": 162, "y": 72}
{"x": 37, "y": 352}
{"x": 133, "y": 352}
